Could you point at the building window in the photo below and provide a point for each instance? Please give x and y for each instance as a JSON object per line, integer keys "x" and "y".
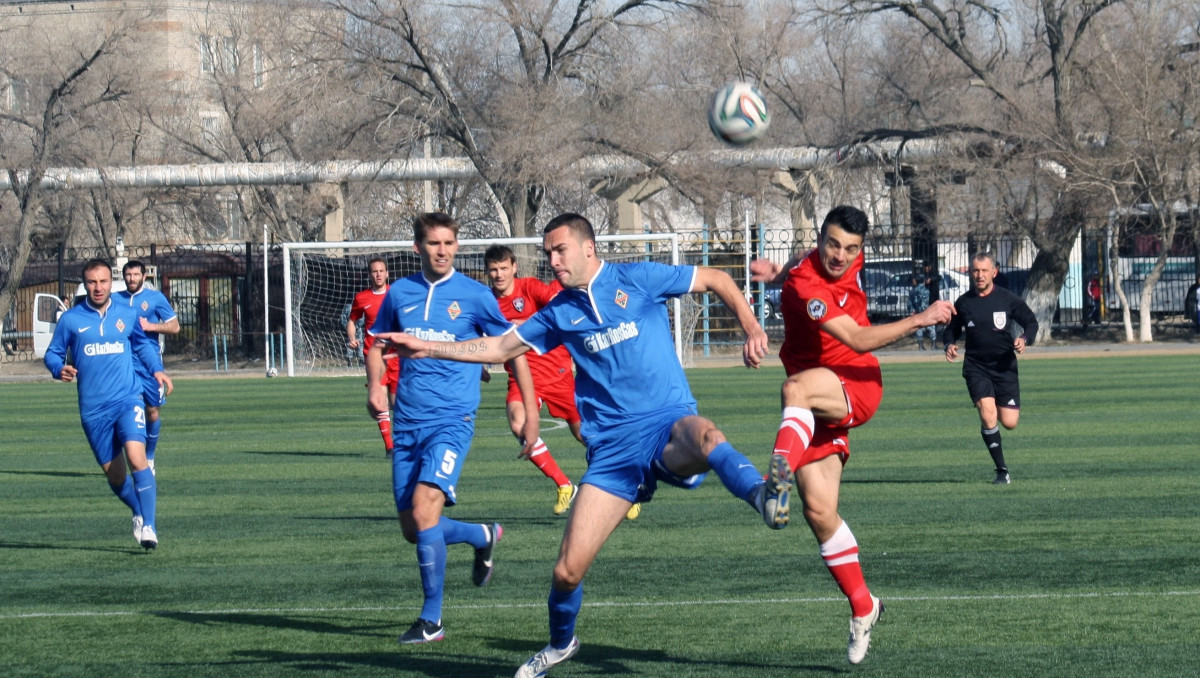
{"x": 229, "y": 56}
{"x": 208, "y": 60}
{"x": 260, "y": 65}
{"x": 210, "y": 128}
{"x": 17, "y": 96}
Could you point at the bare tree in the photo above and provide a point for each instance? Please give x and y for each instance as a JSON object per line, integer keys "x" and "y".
{"x": 1028, "y": 57}
{"x": 67, "y": 90}
{"x": 510, "y": 84}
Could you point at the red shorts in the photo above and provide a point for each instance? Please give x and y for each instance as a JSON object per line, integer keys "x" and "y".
{"x": 863, "y": 387}
{"x": 558, "y": 396}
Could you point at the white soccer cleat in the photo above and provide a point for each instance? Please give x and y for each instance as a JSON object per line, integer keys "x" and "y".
{"x": 860, "y": 632}
{"x": 137, "y": 529}
{"x": 149, "y": 540}
{"x": 540, "y": 663}
{"x": 771, "y": 498}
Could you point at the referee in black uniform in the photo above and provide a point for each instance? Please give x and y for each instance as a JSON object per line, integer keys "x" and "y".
{"x": 988, "y": 315}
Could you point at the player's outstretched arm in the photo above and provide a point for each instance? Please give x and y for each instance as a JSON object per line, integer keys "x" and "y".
{"x": 718, "y": 282}
{"x": 863, "y": 339}
{"x": 487, "y": 350}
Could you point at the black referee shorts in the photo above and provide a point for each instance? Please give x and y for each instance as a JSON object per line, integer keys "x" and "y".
{"x": 993, "y": 381}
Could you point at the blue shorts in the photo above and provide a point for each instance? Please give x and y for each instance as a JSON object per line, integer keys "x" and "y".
{"x": 108, "y": 431}
{"x": 152, "y": 391}
{"x": 626, "y": 460}
{"x": 432, "y": 454}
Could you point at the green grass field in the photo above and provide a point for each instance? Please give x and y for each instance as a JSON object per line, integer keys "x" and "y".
{"x": 280, "y": 553}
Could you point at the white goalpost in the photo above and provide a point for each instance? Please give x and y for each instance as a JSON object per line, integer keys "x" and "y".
{"x": 320, "y": 280}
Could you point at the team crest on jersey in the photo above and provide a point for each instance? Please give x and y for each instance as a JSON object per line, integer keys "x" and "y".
{"x": 622, "y": 298}
{"x": 999, "y": 319}
{"x": 120, "y": 325}
{"x": 816, "y": 309}
{"x": 519, "y": 304}
{"x": 455, "y": 310}
{"x": 145, "y": 305}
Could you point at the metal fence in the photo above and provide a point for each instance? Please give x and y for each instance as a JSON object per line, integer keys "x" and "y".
{"x": 218, "y": 289}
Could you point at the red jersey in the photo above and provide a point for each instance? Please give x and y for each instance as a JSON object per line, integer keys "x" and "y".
{"x": 366, "y": 305}
{"x": 528, "y": 296}
{"x": 809, "y": 299}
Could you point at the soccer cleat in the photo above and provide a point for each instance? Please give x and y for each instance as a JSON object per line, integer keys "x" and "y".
{"x": 1002, "y": 477}
{"x": 481, "y": 573}
{"x": 566, "y": 495}
{"x": 389, "y": 454}
{"x": 422, "y": 631}
{"x": 771, "y": 498}
{"x": 633, "y": 512}
{"x": 540, "y": 663}
{"x": 137, "y": 529}
{"x": 148, "y": 539}
{"x": 860, "y": 632}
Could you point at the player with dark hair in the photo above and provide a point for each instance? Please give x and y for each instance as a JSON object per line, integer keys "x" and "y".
{"x": 987, "y": 314}
{"x": 640, "y": 420}
{"x": 833, "y": 384}
{"x": 156, "y": 317}
{"x": 365, "y": 307}
{"x": 437, "y": 421}
{"x": 105, "y": 340}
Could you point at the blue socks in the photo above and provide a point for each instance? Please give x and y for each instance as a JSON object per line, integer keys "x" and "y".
{"x": 736, "y": 472}
{"x": 455, "y": 532}
{"x": 564, "y": 608}
{"x": 147, "y": 494}
{"x": 127, "y": 494}
{"x": 431, "y": 559}
{"x": 152, "y": 438}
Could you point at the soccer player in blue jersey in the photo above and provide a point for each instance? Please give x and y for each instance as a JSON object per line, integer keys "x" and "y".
{"x": 104, "y": 340}
{"x": 157, "y": 317}
{"x": 434, "y": 417}
{"x": 640, "y": 421}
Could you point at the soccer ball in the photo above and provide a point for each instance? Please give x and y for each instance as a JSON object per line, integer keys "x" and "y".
{"x": 738, "y": 114}
{"x": 272, "y": 372}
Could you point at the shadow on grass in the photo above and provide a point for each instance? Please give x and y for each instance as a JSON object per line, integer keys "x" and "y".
{"x": 905, "y": 481}
{"x": 294, "y": 453}
{"x": 54, "y": 474}
{"x": 133, "y": 550}
{"x": 436, "y": 660}
{"x": 279, "y": 621}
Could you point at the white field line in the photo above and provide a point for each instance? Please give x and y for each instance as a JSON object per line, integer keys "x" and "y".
{"x": 597, "y": 604}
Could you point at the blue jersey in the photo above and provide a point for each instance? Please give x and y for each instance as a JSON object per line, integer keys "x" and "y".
{"x": 151, "y": 305}
{"x": 619, "y": 334}
{"x": 455, "y": 308}
{"x": 104, "y": 346}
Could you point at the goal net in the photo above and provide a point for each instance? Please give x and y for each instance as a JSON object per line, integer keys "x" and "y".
{"x": 321, "y": 279}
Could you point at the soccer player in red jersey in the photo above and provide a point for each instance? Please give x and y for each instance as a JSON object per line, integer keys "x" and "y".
{"x": 833, "y": 385}
{"x": 366, "y": 305}
{"x": 553, "y": 375}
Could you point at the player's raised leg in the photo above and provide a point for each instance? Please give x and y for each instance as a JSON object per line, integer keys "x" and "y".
{"x": 697, "y": 445}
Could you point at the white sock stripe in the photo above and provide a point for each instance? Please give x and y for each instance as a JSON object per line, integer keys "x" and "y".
{"x": 852, "y": 558}
{"x": 798, "y": 426}
{"x": 842, "y": 540}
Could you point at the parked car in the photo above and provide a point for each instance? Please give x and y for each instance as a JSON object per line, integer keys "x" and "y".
{"x": 892, "y": 301}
